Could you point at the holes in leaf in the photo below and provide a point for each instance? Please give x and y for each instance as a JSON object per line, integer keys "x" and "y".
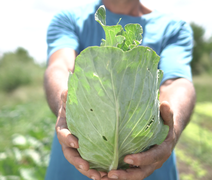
{"x": 150, "y": 123}
{"x": 104, "y": 138}
{"x": 91, "y": 109}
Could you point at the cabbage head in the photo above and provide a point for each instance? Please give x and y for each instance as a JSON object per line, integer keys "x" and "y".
{"x": 112, "y": 105}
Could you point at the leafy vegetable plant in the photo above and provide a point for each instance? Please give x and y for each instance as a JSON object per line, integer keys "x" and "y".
{"x": 112, "y": 104}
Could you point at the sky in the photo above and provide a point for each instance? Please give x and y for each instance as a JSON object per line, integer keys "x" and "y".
{"x": 24, "y": 23}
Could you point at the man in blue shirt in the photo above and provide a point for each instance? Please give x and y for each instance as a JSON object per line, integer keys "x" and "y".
{"x": 72, "y": 31}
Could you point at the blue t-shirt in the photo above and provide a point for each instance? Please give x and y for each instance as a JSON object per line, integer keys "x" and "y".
{"x": 170, "y": 37}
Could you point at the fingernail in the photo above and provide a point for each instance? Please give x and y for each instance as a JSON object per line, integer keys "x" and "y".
{"x": 129, "y": 161}
{"x": 93, "y": 178}
{"x": 114, "y": 177}
{"x": 72, "y": 144}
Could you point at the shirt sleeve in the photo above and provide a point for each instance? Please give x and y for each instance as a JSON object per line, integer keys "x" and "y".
{"x": 177, "y": 52}
{"x": 62, "y": 33}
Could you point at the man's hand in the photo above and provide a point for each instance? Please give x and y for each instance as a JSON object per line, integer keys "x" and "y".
{"x": 69, "y": 144}
{"x": 144, "y": 164}
{"x": 178, "y": 96}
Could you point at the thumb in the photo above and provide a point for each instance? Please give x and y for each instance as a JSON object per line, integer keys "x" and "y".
{"x": 62, "y": 110}
{"x": 166, "y": 113}
{"x": 64, "y": 96}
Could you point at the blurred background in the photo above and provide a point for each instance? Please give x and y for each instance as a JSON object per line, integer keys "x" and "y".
{"x": 27, "y": 124}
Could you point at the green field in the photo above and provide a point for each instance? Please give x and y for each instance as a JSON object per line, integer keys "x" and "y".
{"x": 195, "y": 145}
{"x": 27, "y": 127}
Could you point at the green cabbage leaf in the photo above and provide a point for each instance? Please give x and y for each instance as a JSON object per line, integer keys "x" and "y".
{"x": 112, "y": 105}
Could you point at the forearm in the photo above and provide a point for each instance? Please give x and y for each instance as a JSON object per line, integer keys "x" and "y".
{"x": 180, "y": 94}
{"x": 56, "y": 76}
{"x": 55, "y": 82}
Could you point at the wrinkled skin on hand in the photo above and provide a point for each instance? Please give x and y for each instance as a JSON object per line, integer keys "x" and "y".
{"x": 142, "y": 164}
{"x": 69, "y": 144}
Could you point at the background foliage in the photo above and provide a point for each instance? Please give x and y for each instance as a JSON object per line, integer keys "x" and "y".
{"x": 27, "y": 124}
{"x": 12, "y": 73}
{"x": 202, "y": 52}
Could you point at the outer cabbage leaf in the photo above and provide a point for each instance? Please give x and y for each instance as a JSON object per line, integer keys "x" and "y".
{"x": 112, "y": 105}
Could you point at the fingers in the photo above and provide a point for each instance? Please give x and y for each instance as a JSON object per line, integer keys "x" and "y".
{"x": 147, "y": 162}
{"x": 91, "y": 173}
{"x": 66, "y": 138}
{"x": 158, "y": 153}
{"x": 106, "y": 178}
{"x": 132, "y": 173}
{"x": 103, "y": 174}
{"x": 61, "y": 119}
{"x": 64, "y": 135}
{"x": 69, "y": 144}
{"x": 80, "y": 164}
{"x": 74, "y": 158}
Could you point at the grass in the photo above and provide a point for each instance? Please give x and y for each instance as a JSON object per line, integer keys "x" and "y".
{"x": 203, "y": 87}
{"x": 194, "y": 147}
{"x": 27, "y": 130}
{"x": 27, "y": 127}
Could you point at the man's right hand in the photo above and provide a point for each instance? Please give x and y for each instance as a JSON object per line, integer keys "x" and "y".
{"x": 69, "y": 144}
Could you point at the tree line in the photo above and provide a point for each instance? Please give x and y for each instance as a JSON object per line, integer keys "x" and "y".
{"x": 202, "y": 51}
{"x": 18, "y": 68}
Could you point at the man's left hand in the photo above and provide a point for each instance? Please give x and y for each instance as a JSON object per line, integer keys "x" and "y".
{"x": 145, "y": 163}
